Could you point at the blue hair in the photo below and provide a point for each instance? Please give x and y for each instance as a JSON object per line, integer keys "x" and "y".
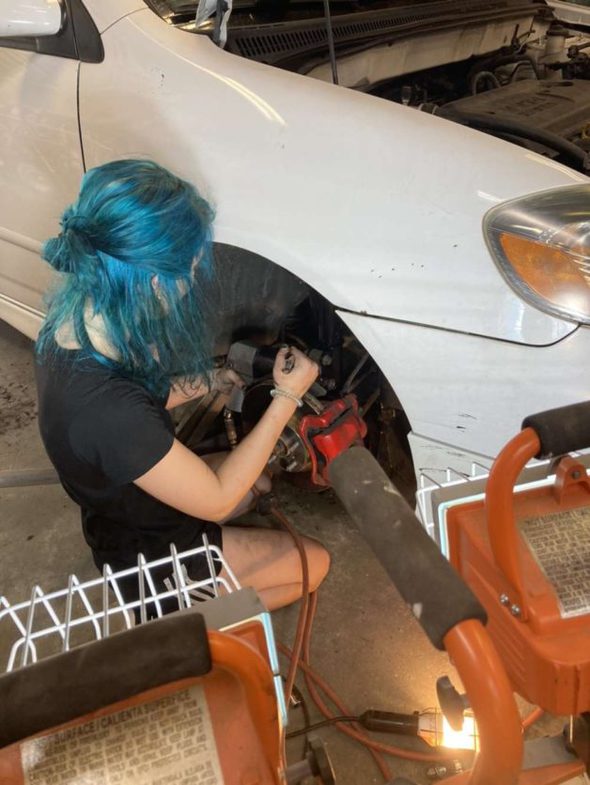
{"x": 128, "y": 249}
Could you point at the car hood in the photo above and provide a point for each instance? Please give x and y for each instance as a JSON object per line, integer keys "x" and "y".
{"x": 572, "y": 13}
{"x": 379, "y": 207}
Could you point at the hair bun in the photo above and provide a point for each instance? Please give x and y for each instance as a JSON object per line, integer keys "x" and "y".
{"x": 78, "y": 223}
{"x": 74, "y": 246}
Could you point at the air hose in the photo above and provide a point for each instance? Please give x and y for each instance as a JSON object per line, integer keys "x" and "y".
{"x": 299, "y": 657}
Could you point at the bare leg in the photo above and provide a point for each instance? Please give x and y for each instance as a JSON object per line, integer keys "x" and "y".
{"x": 268, "y": 561}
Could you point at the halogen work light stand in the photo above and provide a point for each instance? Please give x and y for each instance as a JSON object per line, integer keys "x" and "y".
{"x": 182, "y": 699}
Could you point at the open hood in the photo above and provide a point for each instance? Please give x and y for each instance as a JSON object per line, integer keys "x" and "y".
{"x": 572, "y": 13}
{"x": 292, "y": 33}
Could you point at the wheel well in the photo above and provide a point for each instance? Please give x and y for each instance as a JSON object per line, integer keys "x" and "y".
{"x": 258, "y": 300}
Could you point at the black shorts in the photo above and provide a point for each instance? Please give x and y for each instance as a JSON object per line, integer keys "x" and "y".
{"x": 122, "y": 554}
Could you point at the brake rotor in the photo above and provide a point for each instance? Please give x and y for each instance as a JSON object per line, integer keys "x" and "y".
{"x": 290, "y": 454}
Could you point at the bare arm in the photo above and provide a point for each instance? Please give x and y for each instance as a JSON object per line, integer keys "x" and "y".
{"x": 222, "y": 380}
{"x": 184, "y": 481}
{"x": 182, "y": 394}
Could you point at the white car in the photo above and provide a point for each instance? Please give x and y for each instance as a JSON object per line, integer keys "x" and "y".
{"x": 572, "y": 12}
{"x": 440, "y": 272}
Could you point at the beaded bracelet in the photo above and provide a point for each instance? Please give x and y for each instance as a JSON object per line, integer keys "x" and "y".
{"x": 286, "y": 394}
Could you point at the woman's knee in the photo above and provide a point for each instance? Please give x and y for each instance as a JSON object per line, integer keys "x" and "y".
{"x": 264, "y": 483}
{"x": 318, "y": 560}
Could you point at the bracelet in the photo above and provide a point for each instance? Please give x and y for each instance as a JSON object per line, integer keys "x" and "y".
{"x": 286, "y": 394}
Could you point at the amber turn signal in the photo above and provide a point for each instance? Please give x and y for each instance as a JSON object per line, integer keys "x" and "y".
{"x": 554, "y": 274}
{"x": 541, "y": 244}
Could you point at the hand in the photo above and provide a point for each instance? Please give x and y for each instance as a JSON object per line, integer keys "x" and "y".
{"x": 223, "y": 380}
{"x": 302, "y": 375}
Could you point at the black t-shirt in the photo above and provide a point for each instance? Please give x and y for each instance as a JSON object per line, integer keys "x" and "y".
{"x": 101, "y": 432}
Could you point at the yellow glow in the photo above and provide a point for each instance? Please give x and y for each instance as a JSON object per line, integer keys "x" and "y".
{"x": 555, "y": 274}
{"x": 464, "y": 739}
{"x": 437, "y": 732}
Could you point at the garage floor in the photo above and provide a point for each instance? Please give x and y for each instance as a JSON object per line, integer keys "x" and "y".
{"x": 366, "y": 643}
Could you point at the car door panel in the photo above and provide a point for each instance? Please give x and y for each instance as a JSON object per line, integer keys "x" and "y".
{"x": 40, "y": 166}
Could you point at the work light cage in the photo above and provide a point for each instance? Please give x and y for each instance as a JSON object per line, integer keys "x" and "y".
{"x": 428, "y": 485}
{"x": 84, "y": 611}
{"x": 436, "y": 495}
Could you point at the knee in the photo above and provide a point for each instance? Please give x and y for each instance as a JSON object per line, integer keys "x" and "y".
{"x": 264, "y": 483}
{"x": 318, "y": 560}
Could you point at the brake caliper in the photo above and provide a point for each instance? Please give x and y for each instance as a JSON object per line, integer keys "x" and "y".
{"x": 328, "y": 434}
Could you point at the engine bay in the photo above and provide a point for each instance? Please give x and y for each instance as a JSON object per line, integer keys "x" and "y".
{"x": 535, "y": 94}
{"x": 509, "y": 68}
{"x": 552, "y": 118}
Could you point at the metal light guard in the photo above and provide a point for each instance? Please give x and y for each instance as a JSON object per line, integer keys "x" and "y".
{"x": 54, "y": 622}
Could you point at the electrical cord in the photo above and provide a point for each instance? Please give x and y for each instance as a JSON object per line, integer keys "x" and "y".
{"x": 302, "y": 648}
{"x": 311, "y": 677}
{"x": 527, "y": 721}
{"x": 300, "y": 657}
{"x": 331, "y": 46}
{"x": 321, "y": 724}
{"x": 386, "y": 749}
{"x": 304, "y": 608}
{"x": 304, "y": 625}
{"x": 299, "y": 696}
{"x": 286, "y": 524}
{"x": 531, "y": 718}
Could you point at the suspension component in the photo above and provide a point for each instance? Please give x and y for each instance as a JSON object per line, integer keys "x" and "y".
{"x": 230, "y": 428}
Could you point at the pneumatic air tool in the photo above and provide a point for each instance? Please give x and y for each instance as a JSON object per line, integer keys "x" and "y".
{"x": 317, "y": 432}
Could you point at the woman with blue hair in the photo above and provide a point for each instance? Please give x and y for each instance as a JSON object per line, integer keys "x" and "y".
{"x": 126, "y": 339}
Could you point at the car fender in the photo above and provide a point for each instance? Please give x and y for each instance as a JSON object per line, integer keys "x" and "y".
{"x": 464, "y": 395}
{"x": 377, "y": 206}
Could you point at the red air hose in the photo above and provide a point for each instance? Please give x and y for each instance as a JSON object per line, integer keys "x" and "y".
{"x": 299, "y": 656}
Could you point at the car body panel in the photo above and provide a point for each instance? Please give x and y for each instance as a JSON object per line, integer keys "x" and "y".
{"x": 572, "y": 13}
{"x": 466, "y": 396}
{"x": 40, "y": 172}
{"x": 31, "y": 18}
{"x": 377, "y": 206}
{"x": 108, "y": 12}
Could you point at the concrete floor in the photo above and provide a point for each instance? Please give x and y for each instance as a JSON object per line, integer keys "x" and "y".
{"x": 366, "y": 643}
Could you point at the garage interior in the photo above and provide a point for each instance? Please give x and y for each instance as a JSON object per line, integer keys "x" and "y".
{"x": 463, "y": 274}
{"x": 366, "y": 643}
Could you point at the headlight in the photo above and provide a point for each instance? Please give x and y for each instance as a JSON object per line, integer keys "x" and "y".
{"x": 541, "y": 243}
